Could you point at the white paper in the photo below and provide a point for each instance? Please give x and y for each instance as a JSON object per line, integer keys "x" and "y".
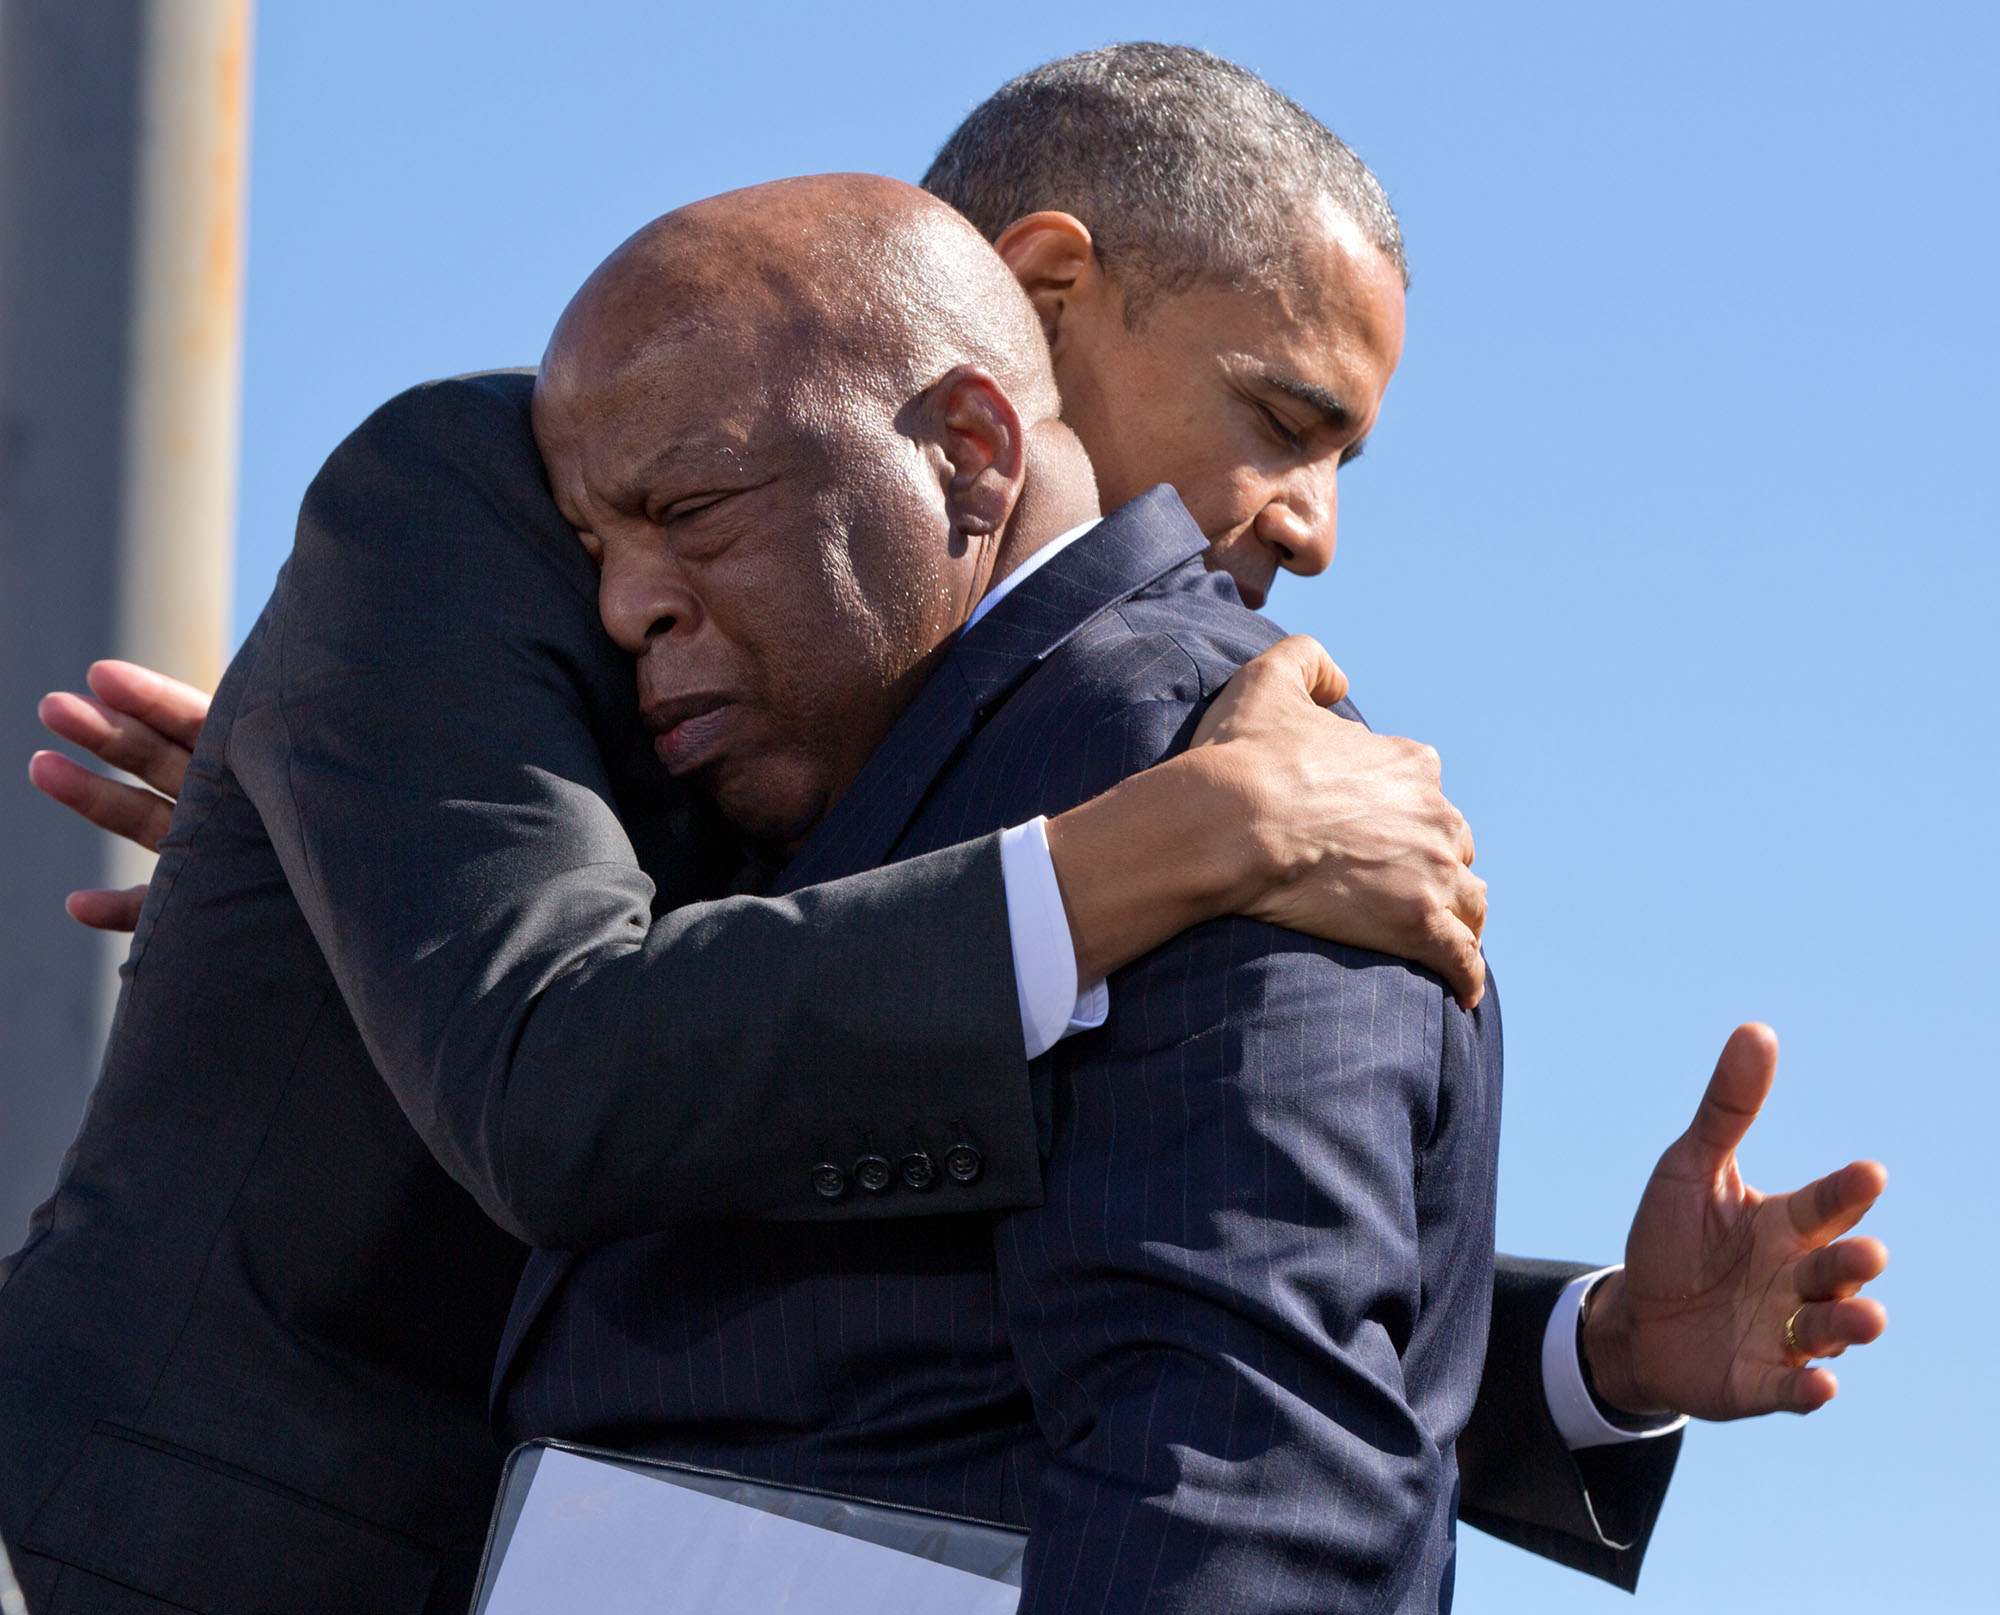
{"x": 596, "y": 1538}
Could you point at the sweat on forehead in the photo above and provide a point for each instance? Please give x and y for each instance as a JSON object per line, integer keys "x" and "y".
{"x": 854, "y": 279}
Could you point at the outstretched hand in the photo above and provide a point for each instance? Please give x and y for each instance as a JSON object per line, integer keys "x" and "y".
{"x": 136, "y": 720}
{"x": 1714, "y": 1270}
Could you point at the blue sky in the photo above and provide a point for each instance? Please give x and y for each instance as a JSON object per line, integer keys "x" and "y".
{"x": 1676, "y": 538}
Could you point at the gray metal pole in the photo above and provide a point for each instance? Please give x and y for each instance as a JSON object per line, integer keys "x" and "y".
{"x": 121, "y": 172}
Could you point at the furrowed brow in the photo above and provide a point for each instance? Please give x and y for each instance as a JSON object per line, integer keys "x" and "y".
{"x": 686, "y": 457}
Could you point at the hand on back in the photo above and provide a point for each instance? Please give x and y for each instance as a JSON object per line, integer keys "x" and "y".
{"x": 136, "y": 720}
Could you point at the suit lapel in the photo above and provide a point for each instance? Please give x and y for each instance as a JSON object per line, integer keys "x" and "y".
{"x": 1129, "y": 549}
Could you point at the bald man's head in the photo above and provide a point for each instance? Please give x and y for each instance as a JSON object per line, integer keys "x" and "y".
{"x": 802, "y": 427}
{"x": 830, "y": 284}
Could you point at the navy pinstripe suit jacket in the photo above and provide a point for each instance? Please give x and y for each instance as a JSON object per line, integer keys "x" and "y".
{"x": 1222, "y": 1367}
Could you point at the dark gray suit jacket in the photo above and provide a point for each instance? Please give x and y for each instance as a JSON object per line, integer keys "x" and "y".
{"x": 1223, "y": 1366}
{"x": 243, "y": 1357}
{"x": 401, "y": 921}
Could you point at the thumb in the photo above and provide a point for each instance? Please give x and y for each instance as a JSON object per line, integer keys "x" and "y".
{"x": 1735, "y": 1095}
{"x": 1267, "y": 688}
{"x": 1302, "y": 657}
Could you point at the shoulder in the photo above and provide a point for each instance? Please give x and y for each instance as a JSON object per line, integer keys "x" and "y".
{"x": 435, "y": 508}
{"x": 451, "y": 417}
{"x": 1130, "y": 684}
{"x": 434, "y": 451}
{"x": 429, "y": 550}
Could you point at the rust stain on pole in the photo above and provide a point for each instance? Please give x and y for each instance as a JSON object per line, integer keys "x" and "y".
{"x": 177, "y": 536}
{"x": 222, "y": 300}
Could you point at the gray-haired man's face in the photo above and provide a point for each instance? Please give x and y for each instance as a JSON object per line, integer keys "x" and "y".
{"x": 1247, "y": 400}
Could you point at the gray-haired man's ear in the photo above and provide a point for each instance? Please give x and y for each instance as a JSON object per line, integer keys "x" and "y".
{"x": 1054, "y": 259}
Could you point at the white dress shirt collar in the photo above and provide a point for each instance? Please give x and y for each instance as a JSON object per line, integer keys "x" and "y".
{"x": 1034, "y": 563}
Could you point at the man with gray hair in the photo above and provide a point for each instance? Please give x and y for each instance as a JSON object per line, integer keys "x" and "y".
{"x": 1193, "y": 168}
{"x": 1168, "y": 213}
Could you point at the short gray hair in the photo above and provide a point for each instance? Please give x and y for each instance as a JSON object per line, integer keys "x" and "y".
{"x": 1184, "y": 167}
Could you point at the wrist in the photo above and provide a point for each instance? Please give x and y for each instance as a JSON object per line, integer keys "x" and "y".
{"x": 1238, "y": 864}
{"x": 1152, "y": 856}
{"x": 1605, "y": 1340}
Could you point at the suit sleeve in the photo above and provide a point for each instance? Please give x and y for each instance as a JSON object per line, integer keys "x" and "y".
{"x": 441, "y": 744}
{"x": 1250, "y": 1313}
{"x": 1593, "y": 1510}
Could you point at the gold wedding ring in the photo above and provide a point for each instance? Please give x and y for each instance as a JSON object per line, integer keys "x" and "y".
{"x": 1791, "y": 1333}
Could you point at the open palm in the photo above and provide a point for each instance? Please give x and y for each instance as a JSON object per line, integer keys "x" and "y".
{"x": 1714, "y": 1269}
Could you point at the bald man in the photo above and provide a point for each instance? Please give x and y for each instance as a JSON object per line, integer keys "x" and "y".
{"x": 425, "y": 975}
{"x": 810, "y": 435}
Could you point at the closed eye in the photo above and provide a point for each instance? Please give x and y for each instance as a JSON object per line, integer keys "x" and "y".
{"x": 666, "y": 512}
{"x": 681, "y": 509}
{"x": 1274, "y": 423}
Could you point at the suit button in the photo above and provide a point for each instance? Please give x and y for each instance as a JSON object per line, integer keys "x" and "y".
{"x": 829, "y": 1182}
{"x": 918, "y": 1171}
{"x": 964, "y": 1163}
{"x": 874, "y": 1173}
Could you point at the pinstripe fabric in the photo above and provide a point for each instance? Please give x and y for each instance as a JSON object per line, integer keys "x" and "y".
{"x": 1223, "y": 1365}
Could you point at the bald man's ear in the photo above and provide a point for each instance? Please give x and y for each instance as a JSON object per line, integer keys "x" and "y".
{"x": 1056, "y": 262}
{"x": 985, "y": 450}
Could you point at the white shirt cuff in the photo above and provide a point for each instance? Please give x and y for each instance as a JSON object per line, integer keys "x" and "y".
{"x": 1044, "y": 955}
{"x": 1569, "y": 1399}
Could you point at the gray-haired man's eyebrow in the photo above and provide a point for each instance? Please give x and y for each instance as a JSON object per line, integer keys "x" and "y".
{"x": 1316, "y": 398}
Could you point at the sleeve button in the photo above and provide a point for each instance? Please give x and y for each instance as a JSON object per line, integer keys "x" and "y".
{"x": 874, "y": 1174}
{"x": 918, "y": 1171}
{"x": 964, "y": 1163}
{"x": 829, "y": 1182}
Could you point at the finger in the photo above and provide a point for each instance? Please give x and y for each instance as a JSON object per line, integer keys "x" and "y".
{"x": 1837, "y": 1271}
{"x": 76, "y": 718}
{"x": 1452, "y": 951}
{"x": 1798, "y": 1390}
{"x": 114, "y": 738}
{"x": 1274, "y": 679}
{"x": 1828, "y": 1328}
{"x": 1468, "y": 902}
{"x": 107, "y": 911}
{"x": 125, "y": 810}
{"x": 1735, "y": 1094}
{"x": 174, "y": 709}
{"x": 1835, "y": 1203}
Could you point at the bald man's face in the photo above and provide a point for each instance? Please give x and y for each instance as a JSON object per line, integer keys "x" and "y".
{"x": 778, "y": 559}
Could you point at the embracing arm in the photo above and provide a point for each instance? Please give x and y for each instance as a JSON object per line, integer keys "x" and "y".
{"x": 445, "y": 752}
{"x": 1299, "y": 818}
